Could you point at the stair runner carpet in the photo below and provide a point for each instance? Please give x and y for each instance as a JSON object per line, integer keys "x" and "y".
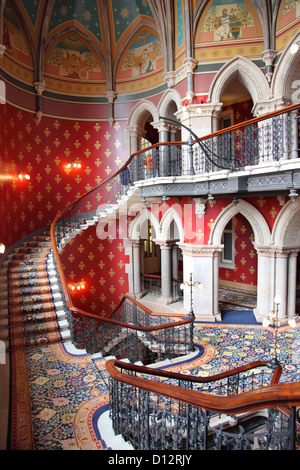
{"x": 31, "y": 300}
{"x": 59, "y": 396}
{"x": 51, "y": 391}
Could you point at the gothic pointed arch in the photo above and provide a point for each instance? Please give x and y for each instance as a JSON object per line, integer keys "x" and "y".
{"x": 255, "y": 218}
{"x": 286, "y": 230}
{"x": 286, "y": 82}
{"x": 142, "y": 112}
{"x": 168, "y": 98}
{"x": 171, "y": 226}
{"x": 245, "y": 71}
{"x": 137, "y": 227}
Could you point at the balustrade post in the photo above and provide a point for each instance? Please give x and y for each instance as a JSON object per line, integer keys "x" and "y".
{"x": 190, "y": 169}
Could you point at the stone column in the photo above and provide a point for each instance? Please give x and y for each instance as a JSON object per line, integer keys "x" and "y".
{"x": 203, "y": 262}
{"x": 292, "y": 284}
{"x": 281, "y": 284}
{"x": 133, "y": 268}
{"x": 137, "y": 269}
{"x": 265, "y": 281}
{"x": 166, "y": 272}
{"x": 164, "y": 136}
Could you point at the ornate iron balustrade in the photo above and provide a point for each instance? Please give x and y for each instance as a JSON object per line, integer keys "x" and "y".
{"x": 269, "y": 138}
{"x": 275, "y": 136}
{"x": 131, "y": 332}
{"x": 152, "y": 285}
{"x": 161, "y": 410}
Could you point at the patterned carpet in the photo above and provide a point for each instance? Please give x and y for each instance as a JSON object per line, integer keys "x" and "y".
{"x": 59, "y": 395}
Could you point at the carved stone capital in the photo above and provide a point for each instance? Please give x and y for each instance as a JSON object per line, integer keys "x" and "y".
{"x": 207, "y": 251}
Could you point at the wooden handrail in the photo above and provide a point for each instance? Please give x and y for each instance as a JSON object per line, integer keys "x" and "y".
{"x": 285, "y": 394}
{"x": 192, "y": 378}
{"x": 60, "y": 215}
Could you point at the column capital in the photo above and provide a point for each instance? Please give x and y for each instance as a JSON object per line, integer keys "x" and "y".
{"x": 200, "y": 250}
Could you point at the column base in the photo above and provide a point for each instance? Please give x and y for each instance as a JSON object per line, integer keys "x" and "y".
{"x": 207, "y": 317}
{"x": 166, "y": 300}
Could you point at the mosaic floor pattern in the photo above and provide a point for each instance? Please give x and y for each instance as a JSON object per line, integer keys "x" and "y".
{"x": 67, "y": 390}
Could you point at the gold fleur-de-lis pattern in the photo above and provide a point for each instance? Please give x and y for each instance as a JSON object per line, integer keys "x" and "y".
{"x": 43, "y": 149}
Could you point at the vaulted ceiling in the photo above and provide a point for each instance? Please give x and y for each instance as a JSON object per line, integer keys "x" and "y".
{"x": 49, "y": 34}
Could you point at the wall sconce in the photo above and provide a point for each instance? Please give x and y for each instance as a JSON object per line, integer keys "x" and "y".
{"x": 2, "y": 248}
{"x": 73, "y": 165}
{"x": 77, "y": 286}
{"x": 191, "y": 284}
{"x": 23, "y": 176}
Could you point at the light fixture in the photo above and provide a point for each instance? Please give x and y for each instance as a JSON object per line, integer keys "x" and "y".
{"x": 23, "y": 176}
{"x": 77, "y": 286}
{"x": 73, "y": 165}
{"x": 2, "y": 248}
{"x": 293, "y": 194}
{"x": 273, "y": 318}
{"x": 210, "y": 197}
{"x": 191, "y": 284}
{"x": 294, "y": 48}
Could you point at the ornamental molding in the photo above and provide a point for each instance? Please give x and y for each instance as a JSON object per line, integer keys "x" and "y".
{"x": 204, "y": 251}
{"x": 258, "y": 223}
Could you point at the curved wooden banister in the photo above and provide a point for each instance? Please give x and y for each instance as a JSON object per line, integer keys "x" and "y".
{"x": 264, "y": 397}
{"x": 192, "y": 378}
{"x": 60, "y": 216}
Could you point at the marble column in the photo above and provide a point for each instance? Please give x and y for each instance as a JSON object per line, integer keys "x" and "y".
{"x": 203, "y": 262}
{"x": 281, "y": 282}
{"x": 166, "y": 272}
{"x": 292, "y": 284}
{"x": 137, "y": 269}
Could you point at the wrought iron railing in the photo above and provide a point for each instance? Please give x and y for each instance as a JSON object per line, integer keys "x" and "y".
{"x": 152, "y": 285}
{"x": 265, "y": 139}
{"x": 245, "y": 408}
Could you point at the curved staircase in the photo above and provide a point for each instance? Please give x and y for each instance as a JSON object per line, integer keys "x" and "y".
{"x": 30, "y": 300}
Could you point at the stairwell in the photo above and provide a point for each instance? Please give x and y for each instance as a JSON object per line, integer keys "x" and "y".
{"x": 32, "y": 315}
{"x": 31, "y": 308}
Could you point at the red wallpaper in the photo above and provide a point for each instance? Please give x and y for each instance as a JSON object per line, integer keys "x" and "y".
{"x": 43, "y": 150}
{"x": 100, "y": 263}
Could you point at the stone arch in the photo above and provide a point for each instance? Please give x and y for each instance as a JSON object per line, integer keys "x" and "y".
{"x": 168, "y": 97}
{"x": 286, "y": 230}
{"x": 255, "y": 218}
{"x": 171, "y": 216}
{"x": 136, "y": 124}
{"x": 247, "y": 73}
{"x": 284, "y": 84}
{"x": 138, "y": 113}
{"x": 136, "y": 229}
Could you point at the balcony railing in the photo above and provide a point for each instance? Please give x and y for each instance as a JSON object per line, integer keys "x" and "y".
{"x": 242, "y": 409}
{"x": 131, "y": 331}
{"x": 271, "y": 137}
{"x": 266, "y": 139}
{"x": 152, "y": 285}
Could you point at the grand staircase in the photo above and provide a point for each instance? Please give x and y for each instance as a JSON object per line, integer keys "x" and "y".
{"x": 31, "y": 308}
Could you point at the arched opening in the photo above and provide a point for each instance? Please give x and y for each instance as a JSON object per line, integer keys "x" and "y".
{"x": 237, "y": 267}
{"x": 254, "y": 234}
{"x": 150, "y": 136}
{"x": 237, "y": 104}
